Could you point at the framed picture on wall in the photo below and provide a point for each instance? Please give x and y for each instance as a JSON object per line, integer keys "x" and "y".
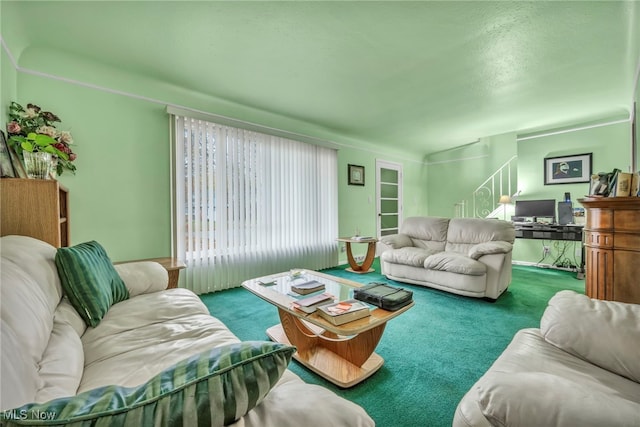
{"x": 6, "y": 167}
{"x": 356, "y": 175}
{"x": 567, "y": 169}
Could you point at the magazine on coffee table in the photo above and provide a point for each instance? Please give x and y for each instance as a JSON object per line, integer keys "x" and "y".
{"x": 309, "y": 304}
{"x": 344, "y": 311}
{"x": 307, "y": 287}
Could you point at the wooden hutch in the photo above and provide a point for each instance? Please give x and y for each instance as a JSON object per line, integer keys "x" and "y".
{"x": 39, "y": 208}
{"x": 612, "y": 248}
{"x": 35, "y": 207}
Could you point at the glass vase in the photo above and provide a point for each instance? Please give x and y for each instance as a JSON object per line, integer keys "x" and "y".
{"x": 38, "y": 164}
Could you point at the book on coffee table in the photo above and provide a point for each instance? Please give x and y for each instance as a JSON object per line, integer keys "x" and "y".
{"x": 307, "y": 287}
{"x": 344, "y": 311}
{"x": 309, "y": 304}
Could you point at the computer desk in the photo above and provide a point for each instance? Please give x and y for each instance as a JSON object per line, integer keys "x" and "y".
{"x": 569, "y": 232}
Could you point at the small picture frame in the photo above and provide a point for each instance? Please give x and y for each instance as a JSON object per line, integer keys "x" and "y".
{"x": 567, "y": 169}
{"x": 356, "y": 174}
{"x": 6, "y": 165}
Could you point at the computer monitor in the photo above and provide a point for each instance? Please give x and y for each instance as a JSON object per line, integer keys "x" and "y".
{"x": 536, "y": 209}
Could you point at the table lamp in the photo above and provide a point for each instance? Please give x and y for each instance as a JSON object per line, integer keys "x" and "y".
{"x": 504, "y": 201}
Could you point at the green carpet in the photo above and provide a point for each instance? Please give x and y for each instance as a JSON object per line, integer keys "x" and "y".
{"x": 433, "y": 353}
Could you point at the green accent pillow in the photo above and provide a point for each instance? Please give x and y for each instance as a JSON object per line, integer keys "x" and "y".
{"x": 89, "y": 280}
{"x": 214, "y": 388}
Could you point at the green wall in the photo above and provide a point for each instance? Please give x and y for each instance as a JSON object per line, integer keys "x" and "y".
{"x": 357, "y": 204}
{"x": 454, "y": 175}
{"x": 7, "y": 85}
{"x": 611, "y": 148}
{"x": 120, "y": 194}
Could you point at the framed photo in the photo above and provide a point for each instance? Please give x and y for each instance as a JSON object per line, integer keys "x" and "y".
{"x": 356, "y": 175}
{"x": 567, "y": 169}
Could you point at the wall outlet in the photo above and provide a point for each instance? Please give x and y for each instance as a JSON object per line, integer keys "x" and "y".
{"x": 343, "y": 248}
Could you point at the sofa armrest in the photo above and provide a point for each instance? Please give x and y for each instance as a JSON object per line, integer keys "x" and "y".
{"x": 397, "y": 241}
{"x": 489, "y": 248}
{"x": 601, "y": 332}
{"x": 143, "y": 277}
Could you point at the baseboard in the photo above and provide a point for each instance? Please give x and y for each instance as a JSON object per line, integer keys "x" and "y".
{"x": 548, "y": 266}
{"x": 531, "y": 264}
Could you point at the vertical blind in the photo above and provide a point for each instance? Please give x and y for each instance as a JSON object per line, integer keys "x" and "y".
{"x": 249, "y": 204}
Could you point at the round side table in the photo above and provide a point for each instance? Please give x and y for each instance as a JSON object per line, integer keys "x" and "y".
{"x": 365, "y": 267}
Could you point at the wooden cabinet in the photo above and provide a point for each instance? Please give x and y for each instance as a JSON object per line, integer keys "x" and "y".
{"x": 612, "y": 248}
{"x": 35, "y": 207}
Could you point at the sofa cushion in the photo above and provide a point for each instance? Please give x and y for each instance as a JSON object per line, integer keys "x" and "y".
{"x": 408, "y": 256}
{"x": 534, "y": 383}
{"x": 90, "y": 280}
{"x": 478, "y": 230}
{"x": 26, "y": 317}
{"x": 143, "y": 277}
{"x": 489, "y": 248}
{"x": 35, "y": 259}
{"x": 544, "y": 399}
{"x": 605, "y": 333}
{"x": 314, "y": 405}
{"x": 213, "y": 388}
{"x": 62, "y": 364}
{"x": 454, "y": 262}
{"x": 168, "y": 326}
{"x": 397, "y": 241}
{"x": 425, "y": 228}
{"x": 426, "y": 232}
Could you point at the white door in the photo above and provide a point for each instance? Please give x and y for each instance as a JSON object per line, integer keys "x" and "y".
{"x": 389, "y": 197}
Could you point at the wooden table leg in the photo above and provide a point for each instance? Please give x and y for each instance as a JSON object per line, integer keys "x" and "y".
{"x": 345, "y": 361}
{"x": 365, "y": 267}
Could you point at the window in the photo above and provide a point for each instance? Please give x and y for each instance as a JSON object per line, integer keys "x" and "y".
{"x": 249, "y": 204}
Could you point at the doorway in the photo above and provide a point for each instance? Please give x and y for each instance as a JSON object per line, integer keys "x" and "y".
{"x": 389, "y": 197}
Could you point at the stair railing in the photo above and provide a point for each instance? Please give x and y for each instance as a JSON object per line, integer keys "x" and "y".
{"x": 485, "y": 197}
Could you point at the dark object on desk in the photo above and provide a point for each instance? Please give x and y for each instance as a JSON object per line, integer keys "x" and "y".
{"x": 571, "y": 233}
{"x": 565, "y": 213}
{"x": 549, "y": 231}
{"x": 536, "y": 209}
{"x": 384, "y": 296}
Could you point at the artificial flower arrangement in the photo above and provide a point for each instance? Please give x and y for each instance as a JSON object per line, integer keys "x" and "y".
{"x": 32, "y": 129}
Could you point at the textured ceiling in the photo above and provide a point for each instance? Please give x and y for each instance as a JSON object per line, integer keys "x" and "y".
{"x": 427, "y": 76}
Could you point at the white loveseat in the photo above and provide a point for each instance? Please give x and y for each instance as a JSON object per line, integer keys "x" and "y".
{"x": 465, "y": 256}
{"x": 156, "y": 358}
{"x": 580, "y": 368}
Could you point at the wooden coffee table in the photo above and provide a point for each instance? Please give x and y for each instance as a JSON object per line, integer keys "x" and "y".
{"x": 341, "y": 354}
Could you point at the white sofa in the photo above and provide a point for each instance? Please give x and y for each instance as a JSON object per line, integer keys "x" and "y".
{"x": 465, "y": 256}
{"x": 581, "y": 368}
{"x": 156, "y": 358}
